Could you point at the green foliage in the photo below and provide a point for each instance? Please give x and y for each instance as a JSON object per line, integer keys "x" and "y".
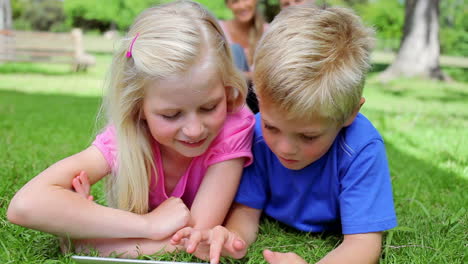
{"x": 41, "y": 15}
{"x": 454, "y": 27}
{"x": 387, "y": 18}
{"x": 218, "y": 8}
{"x": 101, "y": 14}
{"x": 90, "y": 14}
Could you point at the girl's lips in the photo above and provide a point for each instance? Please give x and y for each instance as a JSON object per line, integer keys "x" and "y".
{"x": 193, "y": 145}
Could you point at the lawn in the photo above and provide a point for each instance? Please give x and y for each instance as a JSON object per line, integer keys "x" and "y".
{"x": 48, "y": 113}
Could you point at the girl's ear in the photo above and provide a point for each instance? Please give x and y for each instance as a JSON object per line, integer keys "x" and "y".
{"x": 351, "y": 118}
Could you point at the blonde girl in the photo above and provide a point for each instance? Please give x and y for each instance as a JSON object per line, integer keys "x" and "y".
{"x": 177, "y": 139}
{"x": 246, "y": 27}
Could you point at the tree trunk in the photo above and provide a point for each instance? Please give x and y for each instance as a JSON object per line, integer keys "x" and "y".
{"x": 420, "y": 47}
{"x": 5, "y": 15}
{"x": 5, "y": 27}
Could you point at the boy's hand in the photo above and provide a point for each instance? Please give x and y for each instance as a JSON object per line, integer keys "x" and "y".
{"x": 81, "y": 185}
{"x": 282, "y": 258}
{"x": 170, "y": 216}
{"x": 210, "y": 243}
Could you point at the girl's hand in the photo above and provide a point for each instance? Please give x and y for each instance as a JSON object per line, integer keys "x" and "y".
{"x": 81, "y": 185}
{"x": 170, "y": 216}
{"x": 210, "y": 243}
{"x": 282, "y": 258}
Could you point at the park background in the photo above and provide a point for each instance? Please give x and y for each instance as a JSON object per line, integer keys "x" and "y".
{"x": 47, "y": 112}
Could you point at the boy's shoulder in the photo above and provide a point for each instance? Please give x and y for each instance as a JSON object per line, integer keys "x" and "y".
{"x": 358, "y": 135}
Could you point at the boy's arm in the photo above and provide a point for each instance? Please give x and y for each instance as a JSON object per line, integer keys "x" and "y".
{"x": 356, "y": 248}
{"x": 244, "y": 221}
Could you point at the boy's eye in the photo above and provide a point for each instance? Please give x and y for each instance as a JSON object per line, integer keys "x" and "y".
{"x": 308, "y": 138}
{"x": 172, "y": 116}
{"x": 268, "y": 127}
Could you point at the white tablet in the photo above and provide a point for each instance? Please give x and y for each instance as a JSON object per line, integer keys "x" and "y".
{"x": 99, "y": 260}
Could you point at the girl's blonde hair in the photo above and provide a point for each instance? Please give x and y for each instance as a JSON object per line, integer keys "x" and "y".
{"x": 255, "y": 32}
{"x": 171, "y": 38}
{"x": 313, "y": 61}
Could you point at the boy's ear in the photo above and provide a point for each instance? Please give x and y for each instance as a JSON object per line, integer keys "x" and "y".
{"x": 351, "y": 118}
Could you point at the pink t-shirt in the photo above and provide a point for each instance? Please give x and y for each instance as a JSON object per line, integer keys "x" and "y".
{"x": 233, "y": 141}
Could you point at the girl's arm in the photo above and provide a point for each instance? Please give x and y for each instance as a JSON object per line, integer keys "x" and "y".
{"x": 216, "y": 192}
{"x": 233, "y": 240}
{"x": 124, "y": 247}
{"x": 47, "y": 203}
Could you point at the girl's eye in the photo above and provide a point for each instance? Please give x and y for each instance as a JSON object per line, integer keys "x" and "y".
{"x": 170, "y": 117}
{"x": 209, "y": 108}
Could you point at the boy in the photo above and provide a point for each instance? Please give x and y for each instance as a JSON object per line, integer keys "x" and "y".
{"x": 319, "y": 164}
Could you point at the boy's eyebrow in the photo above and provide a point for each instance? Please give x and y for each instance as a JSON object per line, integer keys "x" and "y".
{"x": 305, "y": 132}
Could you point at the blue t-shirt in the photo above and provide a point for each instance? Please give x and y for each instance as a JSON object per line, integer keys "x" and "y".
{"x": 348, "y": 189}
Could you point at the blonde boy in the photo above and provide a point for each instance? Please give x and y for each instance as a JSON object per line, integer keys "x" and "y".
{"x": 319, "y": 164}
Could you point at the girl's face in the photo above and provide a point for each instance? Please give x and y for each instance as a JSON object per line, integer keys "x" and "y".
{"x": 185, "y": 113}
{"x": 243, "y": 10}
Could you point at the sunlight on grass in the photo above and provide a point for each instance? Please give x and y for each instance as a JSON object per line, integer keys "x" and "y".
{"x": 55, "y": 78}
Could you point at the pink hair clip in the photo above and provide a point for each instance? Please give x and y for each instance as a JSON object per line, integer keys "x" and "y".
{"x": 129, "y": 51}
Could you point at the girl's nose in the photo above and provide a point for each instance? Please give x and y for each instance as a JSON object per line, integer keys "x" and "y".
{"x": 193, "y": 129}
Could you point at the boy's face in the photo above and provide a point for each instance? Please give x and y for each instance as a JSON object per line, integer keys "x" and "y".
{"x": 296, "y": 143}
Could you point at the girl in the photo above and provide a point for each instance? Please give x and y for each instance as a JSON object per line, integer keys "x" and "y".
{"x": 177, "y": 138}
{"x": 244, "y": 30}
{"x": 246, "y": 27}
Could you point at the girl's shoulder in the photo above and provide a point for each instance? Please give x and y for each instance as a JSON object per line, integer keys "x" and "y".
{"x": 240, "y": 121}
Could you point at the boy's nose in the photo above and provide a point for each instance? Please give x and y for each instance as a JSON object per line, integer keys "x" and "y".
{"x": 286, "y": 148}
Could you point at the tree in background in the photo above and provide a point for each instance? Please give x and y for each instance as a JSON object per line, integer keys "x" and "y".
{"x": 420, "y": 47}
{"x": 5, "y": 15}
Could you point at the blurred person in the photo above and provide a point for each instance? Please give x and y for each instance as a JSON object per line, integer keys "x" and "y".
{"x": 245, "y": 30}
{"x": 286, "y": 3}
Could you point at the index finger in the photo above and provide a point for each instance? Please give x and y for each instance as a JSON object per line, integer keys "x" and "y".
{"x": 217, "y": 242}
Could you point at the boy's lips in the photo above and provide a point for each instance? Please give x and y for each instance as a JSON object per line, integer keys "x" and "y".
{"x": 287, "y": 160}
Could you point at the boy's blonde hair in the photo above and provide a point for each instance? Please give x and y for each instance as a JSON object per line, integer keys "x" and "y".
{"x": 172, "y": 38}
{"x": 313, "y": 61}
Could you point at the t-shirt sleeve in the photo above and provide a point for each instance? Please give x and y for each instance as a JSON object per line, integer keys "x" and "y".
{"x": 366, "y": 200}
{"x": 234, "y": 140}
{"x": 253, "y": 188}
{"x": 106, "y": 143}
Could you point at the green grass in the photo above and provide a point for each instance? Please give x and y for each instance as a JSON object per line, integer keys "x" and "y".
{"x": 48, "y": 113}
